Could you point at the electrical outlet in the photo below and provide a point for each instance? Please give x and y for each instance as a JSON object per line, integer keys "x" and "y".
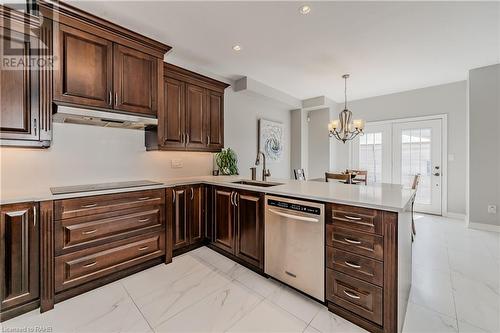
{"x": 177, "y": 163}
{"x": 492, "y": 209}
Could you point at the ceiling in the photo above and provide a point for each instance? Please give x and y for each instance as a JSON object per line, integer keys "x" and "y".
{"x": 386, "y": 46}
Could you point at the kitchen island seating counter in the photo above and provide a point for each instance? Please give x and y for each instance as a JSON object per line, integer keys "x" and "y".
{"x": 389, "y": 197}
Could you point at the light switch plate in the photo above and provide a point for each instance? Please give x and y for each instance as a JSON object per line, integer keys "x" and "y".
{"x": 177, "y": 163}
{"x": 492, "y": 209}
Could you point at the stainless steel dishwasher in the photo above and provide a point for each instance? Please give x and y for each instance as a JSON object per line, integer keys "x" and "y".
{"x": 295, "y": 244}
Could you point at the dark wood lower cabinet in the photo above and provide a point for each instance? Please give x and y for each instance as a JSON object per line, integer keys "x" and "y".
{"x": 238, "y": 224}
{"x": 51, "y": 251}
{"x": 19, "y": 259}
{"x": 187, "y": 216}
{"x": 249, "y": 225}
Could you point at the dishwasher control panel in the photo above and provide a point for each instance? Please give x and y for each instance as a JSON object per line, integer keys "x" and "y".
{"x": 294, "y": 206}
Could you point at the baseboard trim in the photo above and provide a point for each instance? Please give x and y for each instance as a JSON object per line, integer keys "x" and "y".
{"x": 456, "y": 216}
{"x": 485, "y": 227}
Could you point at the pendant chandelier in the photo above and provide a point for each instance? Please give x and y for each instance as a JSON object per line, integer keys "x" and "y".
{"x": 343, "y": 129}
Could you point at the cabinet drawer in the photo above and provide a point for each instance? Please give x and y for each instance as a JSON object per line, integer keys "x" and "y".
{"x": 359, "y": 297}
{"x": 357, "y": 242}
{"x": 83, "y": 266}
{"x": 358, "y": 218}
{"x": 85, "y": 231}
{"x": 369, "y": 270}
{"x": 70, "y": 208}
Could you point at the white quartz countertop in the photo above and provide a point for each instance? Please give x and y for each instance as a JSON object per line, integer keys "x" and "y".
{"x": 383, "y": 196}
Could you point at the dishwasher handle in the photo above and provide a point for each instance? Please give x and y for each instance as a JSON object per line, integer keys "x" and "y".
{"x": 293, "y": 216}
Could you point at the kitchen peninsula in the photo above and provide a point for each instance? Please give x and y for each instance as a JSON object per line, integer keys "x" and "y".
{"x": 87, "y": 239}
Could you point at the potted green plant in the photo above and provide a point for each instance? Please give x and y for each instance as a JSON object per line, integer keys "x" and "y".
{"x": 227, "y": 162}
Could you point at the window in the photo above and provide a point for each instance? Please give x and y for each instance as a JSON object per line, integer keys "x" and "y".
{"x": 416, "y": 159}
{"x": 370, "y": 156}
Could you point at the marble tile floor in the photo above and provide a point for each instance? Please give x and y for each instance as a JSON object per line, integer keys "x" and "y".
{"x": 455, "y": 289}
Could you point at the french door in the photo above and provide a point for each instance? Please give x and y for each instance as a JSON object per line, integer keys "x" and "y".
{"x": 417, "y": 150}
{"x": 394, "y": 152}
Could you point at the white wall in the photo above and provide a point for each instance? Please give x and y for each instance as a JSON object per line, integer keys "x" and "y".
{"x": 318, "y": 143}
{"x": 450, "y": 99}
{"x": 243, "y": 109}
{"x": 89, "y": 154}
{"x": 484, "y": 145}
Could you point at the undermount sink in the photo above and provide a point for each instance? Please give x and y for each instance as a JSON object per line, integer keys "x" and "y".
{"x": 256, "y": 183}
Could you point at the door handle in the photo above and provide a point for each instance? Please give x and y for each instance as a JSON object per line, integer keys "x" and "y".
{"x": 173, "y": 196}
{"x": 295, "y": 217}
{"x": 34, "y": 126}
{"x": 437, "y": 174}
{"x": 187, "y": 139}
{"x": 89, "y": 232}
{"x": 192, "y": 193}
{"x": 116, "y": 99}
{"x": 110, "y": 98}
{"x": 231, "y": 198}
{"x": 236, "y": 199}
{"x": 208, "y": 140}
{"x": 34, "y": 215}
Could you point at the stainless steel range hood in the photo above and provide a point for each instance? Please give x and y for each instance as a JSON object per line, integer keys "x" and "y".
{"x": 72, "y": 115}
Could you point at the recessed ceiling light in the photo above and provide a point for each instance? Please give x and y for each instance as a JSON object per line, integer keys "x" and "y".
{"x": 237, "y": 48}
{"x": 304, "y": 10}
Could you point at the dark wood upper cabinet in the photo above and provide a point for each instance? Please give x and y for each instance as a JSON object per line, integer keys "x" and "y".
{"x": 173, "y": 117}
{"x": 223, "y": 220}
{"x": 19, "y": 255}
{"x": 84, "y": 72}
{"x": 196, "y": 114}
{"x": 25, "y": 116}
{"x": 102, "y": 65}
{"x": 135, "y": 80}
{"x": 215, "y": 122}
{"x": 249, "y": 225}
{"x": 193, "y": 116}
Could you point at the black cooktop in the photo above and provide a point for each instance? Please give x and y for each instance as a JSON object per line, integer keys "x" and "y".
{"x": 101, "y": 186}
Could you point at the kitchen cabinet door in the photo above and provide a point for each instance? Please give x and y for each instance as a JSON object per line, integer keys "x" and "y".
{"x": 173, "y": 121}
{"x": 84, "y": 70}
{"x": 215, "y": 122}
{"x": 19, "y": 91}
{"x": 180, "y": 217}
{"x": 196, "y": 218}
{"x": 223, "y": 212}
{"x": 19, "y": 255}
{"x": 249, "y": 225}
{"x": 196, "y": 115}
{"x": 135, "y": 81}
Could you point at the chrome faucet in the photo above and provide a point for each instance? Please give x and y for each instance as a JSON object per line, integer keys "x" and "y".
{"x": 265, "y": 172}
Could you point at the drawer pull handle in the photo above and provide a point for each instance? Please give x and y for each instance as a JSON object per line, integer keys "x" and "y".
{"x": 350, "y": 264}
{"x": 352, "y": 241}
{"x": 353, "y": 218}
{"x": 90, "y": 265}
{"x": 89, "y": 232}
{"x": 143, "y": 248}
{"x": 143, "y": 198}
{"x": 144, "y": 220}
{"x": 351, "y": 295}
{"x": 89, "y": 205}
